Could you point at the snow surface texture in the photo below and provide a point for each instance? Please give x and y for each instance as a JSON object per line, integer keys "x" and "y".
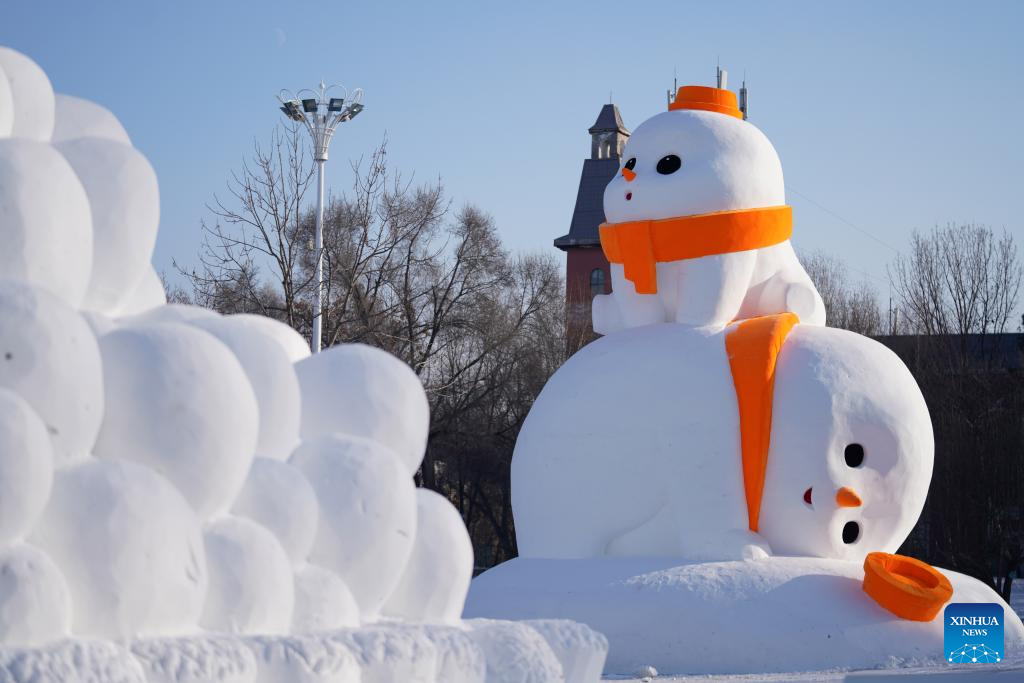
{"x": 728, "y": 164}
{"x": 176, "y": 506}
{"x": 664, "y": 395}
{"x": 773, "y": 615}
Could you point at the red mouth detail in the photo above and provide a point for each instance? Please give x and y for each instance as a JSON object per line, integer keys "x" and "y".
{"x": 807, "y": 496}
{"x": 629, "y": 195}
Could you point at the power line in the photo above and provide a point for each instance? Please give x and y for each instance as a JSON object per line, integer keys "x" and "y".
{"x": 841, "y": 219}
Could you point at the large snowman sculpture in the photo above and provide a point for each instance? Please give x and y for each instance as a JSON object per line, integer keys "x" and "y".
{"x": 720, "y": 484}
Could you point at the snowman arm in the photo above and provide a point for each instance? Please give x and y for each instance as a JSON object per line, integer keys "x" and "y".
{"x": 785, "y": 291}
{"x": 605, "y": 314}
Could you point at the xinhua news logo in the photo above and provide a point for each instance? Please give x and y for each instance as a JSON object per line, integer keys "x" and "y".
{"x": 973, "y": 632}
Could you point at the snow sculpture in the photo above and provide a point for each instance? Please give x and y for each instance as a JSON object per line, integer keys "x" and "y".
{"x": 48, "y": 243}
{"x": 49, "y": 357}
{"x": 31, "y": 96}
{"x": 367, "y": 514}
{"x": 130, "y": 548}
{"x": 169, "y": 512}
{"x": 698, "y": 231}
{"x": 179, "y": 402}
{"x": 833, "y": 390}
{"x": 436, "y": 579}
{"x": 26, "y": 466}
{"x": 125, "y": 203}
{"x": 393, "y": 410}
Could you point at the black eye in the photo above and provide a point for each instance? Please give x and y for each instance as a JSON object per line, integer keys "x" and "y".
{"x": 669, "y": 164}
{"x": 631, "y": 164}
{"x": 851, "y": 532}
{"x": 854, "y": 455}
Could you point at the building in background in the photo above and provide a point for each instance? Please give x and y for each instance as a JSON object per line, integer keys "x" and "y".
{"x": 586, "y": 268}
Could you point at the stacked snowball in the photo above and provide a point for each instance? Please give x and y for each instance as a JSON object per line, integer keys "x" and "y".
{"x": 198, "y": 486}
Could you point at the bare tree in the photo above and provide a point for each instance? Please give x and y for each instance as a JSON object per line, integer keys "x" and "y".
{"x": 850, "y": 307}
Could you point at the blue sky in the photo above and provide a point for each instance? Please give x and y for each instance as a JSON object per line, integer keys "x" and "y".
{"x": 887, "y": 116}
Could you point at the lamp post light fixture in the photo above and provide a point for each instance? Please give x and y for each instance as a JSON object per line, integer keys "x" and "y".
{"x": 320, "y": 111}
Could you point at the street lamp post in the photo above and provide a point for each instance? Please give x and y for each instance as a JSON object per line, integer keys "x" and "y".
{"x": 320, "y": 114}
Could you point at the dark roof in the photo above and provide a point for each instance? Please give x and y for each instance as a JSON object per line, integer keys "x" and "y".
{"x": 609, "y": 120}
{"x": 982, "y": 351}
{"x": 589, "y": 211}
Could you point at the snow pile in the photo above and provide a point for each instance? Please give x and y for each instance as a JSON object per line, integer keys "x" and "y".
{"x": 190, "y": 497}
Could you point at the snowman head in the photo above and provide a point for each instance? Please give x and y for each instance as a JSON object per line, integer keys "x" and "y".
{"x": 691, "y": 161}
{"x": 851, "y": 449}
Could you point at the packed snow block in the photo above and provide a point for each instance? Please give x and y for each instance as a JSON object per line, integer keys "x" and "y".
{"x": 178, "y": 401}
{"x": 436, "y": 579}
{"x": 35, "y": 604}
{"x": 31, "y": 95}
{"x": 49, "y": 357}
{"x": 665, "y": 395}
{"x": 514, "y": 652}
{"x": 459, "y": 658}
{"x": 79, "y": 118}
{"x": 659, "y": 612}
{"x": 273, "y": 380}
{"x": 362, "y": 391}
{"x": 6, "y": 106}
{"x": 47, "y": 243}
{"x": 390, "y": 655}
{"x": 125, "y": 203}
{"x": 71, "y": 661}
{"x": 195, "y": 659}
{"x": 146, "y": 294}
{"x": 304, "y": 659}
{"x": 367, "y": 514}
{"x": 580, "y": 649}
{"x": 26, "y": 466}
{"x": 251, "y": 582}
{"x": 278, "y": 496}
{"x": 293, "y": 343}
{"x": 130, "y": 548}
{"x": 323, "y": 602}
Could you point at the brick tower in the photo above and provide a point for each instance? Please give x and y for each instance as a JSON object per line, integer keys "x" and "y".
{"x": 586, "y": 268}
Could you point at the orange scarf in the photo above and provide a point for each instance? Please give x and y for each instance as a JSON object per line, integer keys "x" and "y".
{"x": 640, "y": 245}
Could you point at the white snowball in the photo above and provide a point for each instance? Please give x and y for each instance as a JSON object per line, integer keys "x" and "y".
{"x": 35, "y": 606}
{"x": 125, "y": 202}
{"x": 367, "y": 514}
{"x": 293, "y": 343}
{"x": 130, "y": 548}
{"x": 26, "y": 467}
{"x": 32, "y": 96}
{"x": 49, "y": 357}
{"x": 362, "y": 391}
{"x": 273, "y": 380}
{"x": 6, "y": 106}
{"x": 251, "y": 582}
{"x": 515, "y": 653}
{"x": 302, "y": 659}
{"x": 79, "y": 118}
{"x": 197, "y": 659}
{"x": 148, "y": 293}
{"x": 580, "y": 649}
{"x": 322, "y": 601}
{"x": 178, "y": 401}
{"x": 47, "y": 226}
{"x": 436, "y": 579}
{"x": 70, "y": 661}
{"x": 278, "y": 496}
{"x": 170, "y": 313}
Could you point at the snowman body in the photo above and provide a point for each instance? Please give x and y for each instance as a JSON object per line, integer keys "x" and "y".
{"x": 685, "y": 163}
{"x": 633, "y": 449}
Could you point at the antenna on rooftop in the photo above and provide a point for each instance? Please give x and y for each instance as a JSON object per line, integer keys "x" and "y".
{"x": 743, "y": 96}
{"x": 670, "y": 94}
{"x": 722, "y": 77}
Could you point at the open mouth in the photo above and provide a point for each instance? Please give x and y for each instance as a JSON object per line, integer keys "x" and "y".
{"x": 808, "y": 497}
{"x": 629, "y": 195}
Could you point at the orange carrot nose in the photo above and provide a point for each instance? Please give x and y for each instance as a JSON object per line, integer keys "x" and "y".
{"x": 847, "y": 498}
{"x": 628, "y": 175}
